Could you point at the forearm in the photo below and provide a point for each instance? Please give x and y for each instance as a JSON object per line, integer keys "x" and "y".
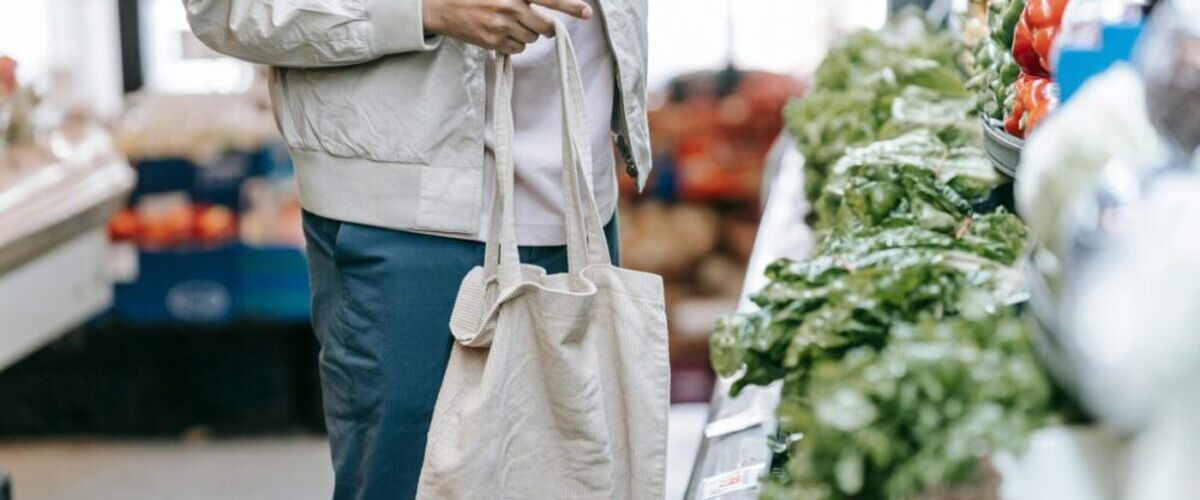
{"x": 309, "y": 33}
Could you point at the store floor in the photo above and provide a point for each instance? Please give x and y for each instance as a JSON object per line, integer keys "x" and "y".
{"x": 291, "y": 468}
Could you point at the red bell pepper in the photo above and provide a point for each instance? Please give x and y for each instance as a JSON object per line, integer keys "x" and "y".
{"x": 1023, "y": 53}
{"x": 1034, "y": 101}
{"x": 1035, "y": 33}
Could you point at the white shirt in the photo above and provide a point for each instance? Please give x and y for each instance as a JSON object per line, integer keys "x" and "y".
{"x": 537, "y": 132}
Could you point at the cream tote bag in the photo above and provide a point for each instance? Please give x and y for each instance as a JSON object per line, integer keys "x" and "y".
{"x": 557, "y": 386}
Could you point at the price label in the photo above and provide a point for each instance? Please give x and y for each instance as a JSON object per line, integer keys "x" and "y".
{"x": 738, "y": 480}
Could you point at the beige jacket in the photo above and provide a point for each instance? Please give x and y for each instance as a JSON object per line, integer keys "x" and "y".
{"x": 385, "y": 123}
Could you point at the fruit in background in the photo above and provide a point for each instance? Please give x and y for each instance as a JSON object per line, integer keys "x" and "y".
{"x": 163, "y": 223}
{"x": 8, "y": 77}
{"x": 1034, "y": 100}
{"x": 158, "y": 225}
{"x": 1023, "y": 53}
{"x": 717, "y": 130}
{"x": 124, "y": 225}
{"x": 213, "y": 224}
{"x": 177, "y": 224}
{"x": 1033, "y": 42}
{"x": 1033, "y": 39}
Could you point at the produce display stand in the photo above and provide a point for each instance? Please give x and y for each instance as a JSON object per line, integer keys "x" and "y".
{"x": 210, "y": 276}
{"x": 734, "y": 449}
{"x": 54, "y": 251}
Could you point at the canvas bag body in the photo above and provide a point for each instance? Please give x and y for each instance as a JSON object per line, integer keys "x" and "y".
{"x": 557, "y": 385}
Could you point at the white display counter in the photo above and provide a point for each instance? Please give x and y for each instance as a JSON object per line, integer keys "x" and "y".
{"x": 54, "y": 251}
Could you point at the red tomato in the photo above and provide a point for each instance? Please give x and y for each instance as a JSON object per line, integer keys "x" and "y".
{"x": 214, "y": 224}
{"x": 123, "y": 226}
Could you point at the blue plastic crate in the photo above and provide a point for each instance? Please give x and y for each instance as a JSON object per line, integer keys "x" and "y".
{"x": 162, "y": 176}
{"x": 180, "y": 286}
{"x": 273, "y": 283}
{"x": 1075, "y": 65}
{"x": 218, "y": 182}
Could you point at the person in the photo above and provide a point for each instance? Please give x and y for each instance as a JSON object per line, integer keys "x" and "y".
{"x": 384, "y": 106}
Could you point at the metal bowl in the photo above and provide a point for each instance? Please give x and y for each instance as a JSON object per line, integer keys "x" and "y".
{"x": 1002, "y": 148}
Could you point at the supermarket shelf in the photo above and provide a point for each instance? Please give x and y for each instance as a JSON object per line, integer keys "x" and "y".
{"x": 734, "y": 450}
{"x": 53, "y": 251}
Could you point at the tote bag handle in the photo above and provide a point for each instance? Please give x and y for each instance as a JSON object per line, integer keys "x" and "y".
{"x": 586, "y": 244}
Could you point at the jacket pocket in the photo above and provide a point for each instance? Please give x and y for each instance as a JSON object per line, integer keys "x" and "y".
{"x": 403, "y": 108}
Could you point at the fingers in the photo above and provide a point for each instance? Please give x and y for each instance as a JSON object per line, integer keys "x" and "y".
{"x": 515, "y": 23}
{"x": 575, "y": 8}
{"x": 510, "y": 47}
{"x": 535, "y": 21}
{"x": 520, "y": 33}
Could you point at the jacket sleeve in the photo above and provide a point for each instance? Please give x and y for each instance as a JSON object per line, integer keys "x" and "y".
{"x": 309, "y": 33}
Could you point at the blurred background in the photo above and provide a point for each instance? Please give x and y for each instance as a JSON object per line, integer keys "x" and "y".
{"x": 154, "y": 337}
{"x": 977, "y": 220}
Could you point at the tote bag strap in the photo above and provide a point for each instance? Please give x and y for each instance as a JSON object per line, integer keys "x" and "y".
{"x": 586, "y": 244}
{"x": 585, "y": 231}
{"x": 501, "y": 261}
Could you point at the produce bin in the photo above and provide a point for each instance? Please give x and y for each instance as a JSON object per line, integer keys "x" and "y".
{"x": 217, "y": 182}
{"x": 1002, "y": 148}
{"x": 190, "y": 286}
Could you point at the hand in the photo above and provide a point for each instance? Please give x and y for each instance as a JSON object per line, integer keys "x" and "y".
{"x": 502, "y": 25}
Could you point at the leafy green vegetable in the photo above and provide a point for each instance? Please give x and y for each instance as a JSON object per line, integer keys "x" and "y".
{"x": 822, "y": 307}
{"x": 949, "y": 116}
{"x": 902, "y": 244}
{"x": 826, "y": 123}
{"x": 906, "y": 39}
{"x": 921, "y": 411}
{"x": 858, "y": 84}
{"x": 951, "y": 174}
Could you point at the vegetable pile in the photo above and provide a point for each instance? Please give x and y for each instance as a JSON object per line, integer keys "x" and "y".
{"x": 1012, "y": 67}
{"x": 902, "y": 360}
{"x": 995, "y": 71}
{"x": 889, "y": 423}
{"x": 865, "y": 80}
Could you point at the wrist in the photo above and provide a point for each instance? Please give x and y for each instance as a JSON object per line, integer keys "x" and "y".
{"x": 430, "y": 18}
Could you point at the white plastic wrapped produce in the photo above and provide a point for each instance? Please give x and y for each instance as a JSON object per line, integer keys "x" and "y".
{"x": 1131, "y": 306}
{"x": 1104, "y": 122}
{"x": 1168, "y": 55}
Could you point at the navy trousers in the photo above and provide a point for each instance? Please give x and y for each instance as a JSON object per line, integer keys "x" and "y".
{"x": 381, "y": 312}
